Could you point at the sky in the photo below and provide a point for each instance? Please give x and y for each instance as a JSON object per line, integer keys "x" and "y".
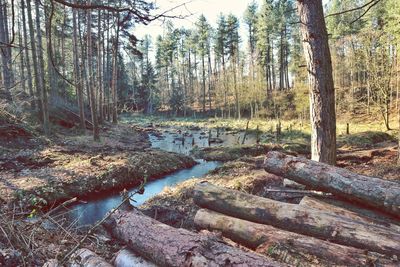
{"x": 209, "y": 8}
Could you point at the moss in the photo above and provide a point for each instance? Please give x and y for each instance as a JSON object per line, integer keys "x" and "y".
{"x": 364, "y": 139}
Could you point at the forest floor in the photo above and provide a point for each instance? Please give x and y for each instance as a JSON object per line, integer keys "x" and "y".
{"x": 37, "y": 172}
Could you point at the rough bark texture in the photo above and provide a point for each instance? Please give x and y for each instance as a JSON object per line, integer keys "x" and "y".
{"x": 87, "y": 258}
{"x": 168, "y": 246}
{"x": 322, "y": 91}
{"x": 379, "y": 193}
{"x": 315, "y": 203}
{"x": 298, "y": 219}
{"x": 299, "y": 250}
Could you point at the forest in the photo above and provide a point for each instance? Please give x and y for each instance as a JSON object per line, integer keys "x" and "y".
{"x": 267, "y": 135}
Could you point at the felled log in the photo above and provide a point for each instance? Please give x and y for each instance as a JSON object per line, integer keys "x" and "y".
{"x": 315, "y": 203}
{"x": 366, "y": 190}
{"x": 168, "y": 246}
{"x": 298, "y": 219}
{"x": 126, "y": 258}
{"x": 292, "y": 248}
{"x": 87, "y": 258}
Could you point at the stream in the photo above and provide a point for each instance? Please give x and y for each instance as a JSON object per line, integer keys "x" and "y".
{"x": 173, "y": 140}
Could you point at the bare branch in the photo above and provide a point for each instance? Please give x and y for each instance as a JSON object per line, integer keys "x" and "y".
{"x": 372, "y": 2}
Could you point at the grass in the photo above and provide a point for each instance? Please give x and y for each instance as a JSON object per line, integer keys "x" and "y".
{"x": 293, "y": 131}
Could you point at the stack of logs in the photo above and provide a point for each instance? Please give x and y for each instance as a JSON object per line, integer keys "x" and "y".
{"x": 274, "y": 233}
{"x": 313, "y": 232}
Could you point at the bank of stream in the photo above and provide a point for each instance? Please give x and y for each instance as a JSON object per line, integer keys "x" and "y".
{"x": 176, "y": 140}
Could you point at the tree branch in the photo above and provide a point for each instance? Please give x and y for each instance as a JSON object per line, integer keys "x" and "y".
{"x": 372, "y": 2}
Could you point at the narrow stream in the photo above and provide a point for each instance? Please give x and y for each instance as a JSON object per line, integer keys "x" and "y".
{"x": 174, "y": 140}
{"x": 94, "y": 210}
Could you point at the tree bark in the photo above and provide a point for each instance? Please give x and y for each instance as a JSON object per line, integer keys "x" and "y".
{"x": 298, "y": 219}
{"x": 27, "y": 59}
{"x": 115, "y": 74}
{"x": 322, "y": 91}
{"x": 168, "y": 246}
{"x": 375, "y": 192}
{"x": 34, "y": 55}
{"x": 99, "y": 68}
{"x": 93, "y": 109}
{"x": 299, "y": 250}
{"x": 77, "y": 72}
{"x": 5, "y": 50}
{"x": 315, "y": 203}
{"x": 41, "y": 72}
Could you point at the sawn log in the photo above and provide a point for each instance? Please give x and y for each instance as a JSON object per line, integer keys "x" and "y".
{"x": 292, "y": 248}
{"x": 376, "y": 192}
{"x": 168, "y": 246}
{"x": 298, "y": 219}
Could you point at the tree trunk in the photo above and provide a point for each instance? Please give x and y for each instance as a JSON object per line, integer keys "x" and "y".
{"x": 34, "y": 56}
{"x": 42, "y": 82}
{"x": 93, "y": 109}
{"x": 27, "y": 59}
{"x": 375, "y": 192}
{"x": 322, "y": 91}
{"x": 168, "y": 246}
{"x": 100, "y": 86}
{"x": 298, "y": 219}
{"x": 115, "y": 75}
{"x": 203, "y": 84}
{"x": 299, "y": 250}
{"x": 5, "y": 50}
{"x": 77, "y": 71}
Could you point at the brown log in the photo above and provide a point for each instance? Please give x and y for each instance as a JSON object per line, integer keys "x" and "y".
{"x": 87, "y": 258}
{"x": 315, "y": 203}
{"x": 298, "y": 219}
{"x": 292, "y": 248}
{"x": 168, "y": 246}
{"x": 366, "y": 190}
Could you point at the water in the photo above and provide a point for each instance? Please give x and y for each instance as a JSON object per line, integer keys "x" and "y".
{"x": 181, "y": 140}
{"x": 94, "y": 210}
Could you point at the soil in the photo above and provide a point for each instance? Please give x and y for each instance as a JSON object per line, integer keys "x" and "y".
{"x": 75, "y": 166}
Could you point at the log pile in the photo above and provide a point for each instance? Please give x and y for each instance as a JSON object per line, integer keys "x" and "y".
{"x": 258, "y": 231}
{"x": 168, "y": 246}
{"x": 313, "y": 232}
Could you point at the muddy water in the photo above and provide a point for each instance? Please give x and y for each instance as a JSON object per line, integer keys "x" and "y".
{"x": 175, "y": 140}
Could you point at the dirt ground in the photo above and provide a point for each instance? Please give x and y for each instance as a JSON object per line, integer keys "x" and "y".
{"x": 75, "y": 166}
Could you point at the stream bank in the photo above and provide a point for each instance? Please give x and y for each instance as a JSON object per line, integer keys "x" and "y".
{"x": 74, "y": 166}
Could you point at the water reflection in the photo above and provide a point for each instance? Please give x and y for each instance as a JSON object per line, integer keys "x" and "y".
{"x": 94, "y": 210}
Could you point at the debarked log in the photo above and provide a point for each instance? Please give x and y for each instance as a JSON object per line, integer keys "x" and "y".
{"x": 375, "y": 192}
{"x": 292, "y": 248}
{"x": 168, "y": 246}
{"x": 296, "y": 218}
